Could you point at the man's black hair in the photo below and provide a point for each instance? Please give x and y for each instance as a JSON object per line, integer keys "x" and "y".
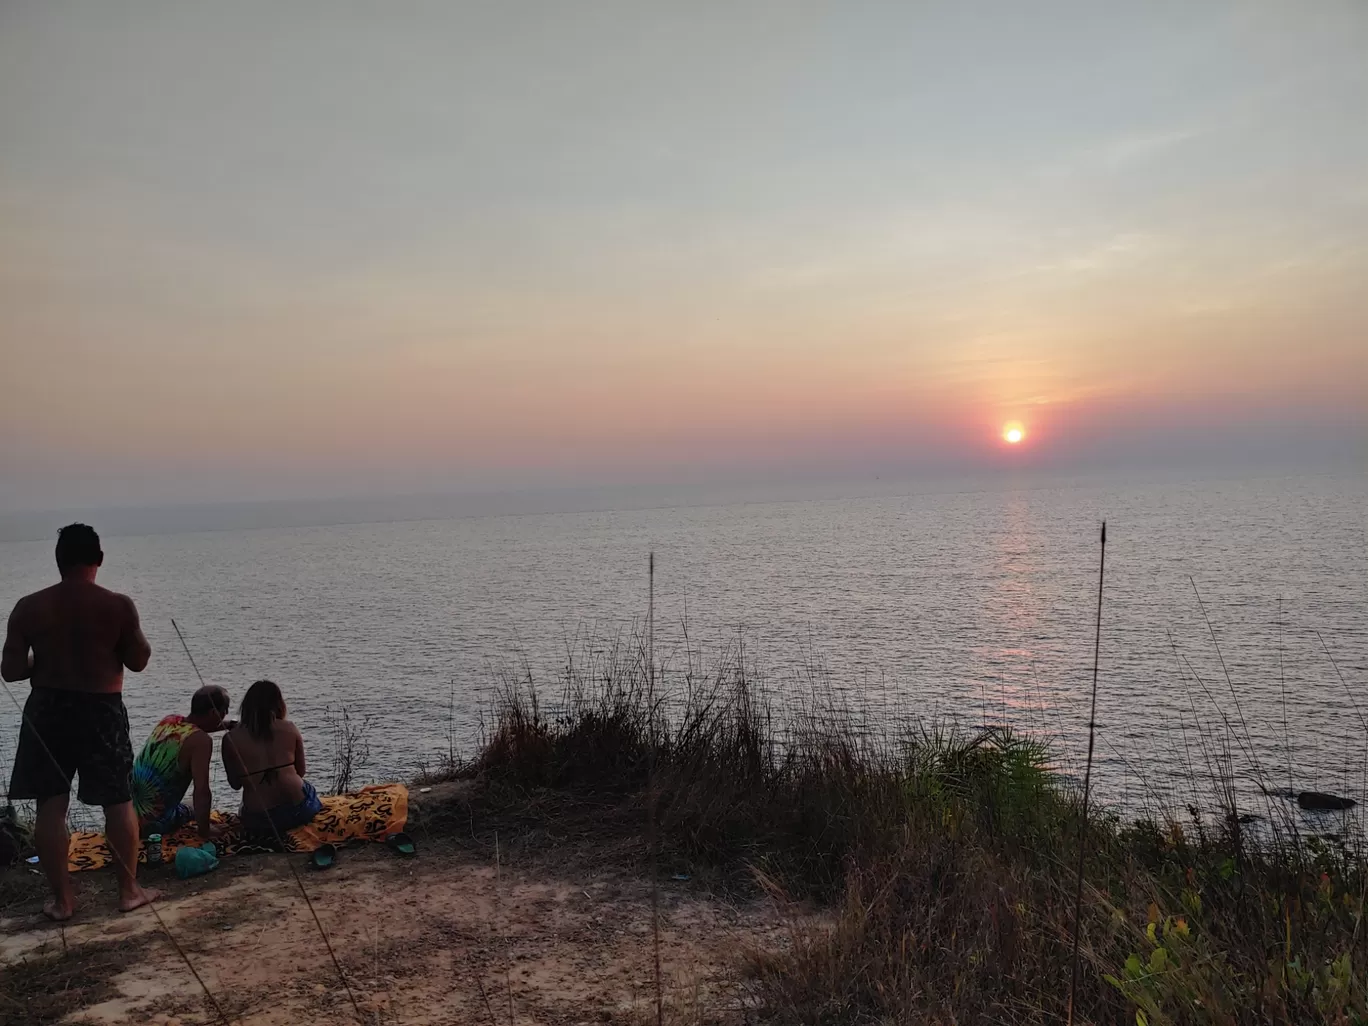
{"x": 78, "y": 545}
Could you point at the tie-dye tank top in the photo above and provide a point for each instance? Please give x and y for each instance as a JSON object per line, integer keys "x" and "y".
{"x": 159, "y": 781}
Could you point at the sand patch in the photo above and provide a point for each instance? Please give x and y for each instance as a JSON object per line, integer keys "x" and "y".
{"x": 436, "y": 940}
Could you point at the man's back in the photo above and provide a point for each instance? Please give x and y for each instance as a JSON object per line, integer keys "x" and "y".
{"x": 82, "y": 636}
{"x": 72, "y": 642}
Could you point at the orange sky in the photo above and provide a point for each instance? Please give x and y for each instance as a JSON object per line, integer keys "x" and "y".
{"x": 248, "y": 253}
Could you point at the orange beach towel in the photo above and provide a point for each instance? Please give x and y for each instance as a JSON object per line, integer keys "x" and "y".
{"x": 371, "y": 814}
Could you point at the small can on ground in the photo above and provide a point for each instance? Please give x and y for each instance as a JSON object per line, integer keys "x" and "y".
{"x": 154, "y": 849}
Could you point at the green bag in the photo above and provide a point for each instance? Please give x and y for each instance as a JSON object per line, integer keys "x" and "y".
{"x": 195, "y": 861}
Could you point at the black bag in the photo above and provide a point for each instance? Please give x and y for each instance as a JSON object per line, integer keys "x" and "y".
{"x": 15, "y": 839}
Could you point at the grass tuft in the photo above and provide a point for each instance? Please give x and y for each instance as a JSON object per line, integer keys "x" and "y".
{"x": 946, "y": 860}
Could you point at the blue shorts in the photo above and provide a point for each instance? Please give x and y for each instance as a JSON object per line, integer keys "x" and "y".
{"x": 170, "y": 821}
{"x": 283, "y": 818}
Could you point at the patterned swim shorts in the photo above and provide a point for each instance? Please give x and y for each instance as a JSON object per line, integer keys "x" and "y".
{"x": 71, "y": 733}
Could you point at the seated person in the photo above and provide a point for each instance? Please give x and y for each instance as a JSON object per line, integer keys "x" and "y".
{"x": 264, "y": 757}
{"x": 177, "y": 754}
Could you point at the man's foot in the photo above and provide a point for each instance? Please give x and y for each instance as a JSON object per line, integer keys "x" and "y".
{"x": 142, "y": 896}
{"x": 58, "y": 912}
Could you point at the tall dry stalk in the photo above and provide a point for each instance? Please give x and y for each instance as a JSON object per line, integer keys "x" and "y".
{"x": 1087, "y": 781}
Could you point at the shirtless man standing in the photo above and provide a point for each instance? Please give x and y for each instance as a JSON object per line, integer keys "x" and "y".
{"x": 72, "y": 642}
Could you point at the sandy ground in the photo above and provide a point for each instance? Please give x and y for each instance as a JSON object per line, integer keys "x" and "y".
{"x": 448, "y": 937}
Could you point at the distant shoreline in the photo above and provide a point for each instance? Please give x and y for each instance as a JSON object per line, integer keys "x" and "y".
{"x": 17, "y": 526}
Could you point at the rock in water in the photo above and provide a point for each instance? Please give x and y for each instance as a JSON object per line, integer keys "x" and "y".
{"x": 1319, "y": 801}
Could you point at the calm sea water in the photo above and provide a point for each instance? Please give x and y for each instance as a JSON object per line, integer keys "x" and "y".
{"x": 974, "y": 606}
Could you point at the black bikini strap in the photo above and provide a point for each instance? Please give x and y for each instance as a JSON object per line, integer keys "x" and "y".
{"x": 269, "y": 769}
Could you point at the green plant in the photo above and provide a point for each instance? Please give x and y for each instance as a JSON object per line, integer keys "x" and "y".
{"x": 945, "y": 858}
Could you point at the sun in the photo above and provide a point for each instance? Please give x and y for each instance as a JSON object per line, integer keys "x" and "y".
{"x": 1013, "y": 433}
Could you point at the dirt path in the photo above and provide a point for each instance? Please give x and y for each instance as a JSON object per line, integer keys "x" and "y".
{"x": 441, "y": 939}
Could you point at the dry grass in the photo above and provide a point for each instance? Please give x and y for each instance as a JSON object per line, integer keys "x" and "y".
{"x": 946, "y": 860}
{"x": 351, "y": 748}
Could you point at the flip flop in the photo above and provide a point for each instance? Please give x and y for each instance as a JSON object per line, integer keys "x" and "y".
{"x": 401, "y": 844}
{"x": 323, "y": 856}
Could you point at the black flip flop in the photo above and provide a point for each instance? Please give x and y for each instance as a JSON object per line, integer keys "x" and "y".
{"x": 401, "y": 844}
{"x": 324, "y": 856}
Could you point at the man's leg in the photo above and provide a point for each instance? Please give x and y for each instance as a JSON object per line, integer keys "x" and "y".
{"x": 42, "y": 771}
{"x": 121, "y": 831}
{"x": 106, "y": 770}
{"x": 53, "y": 842}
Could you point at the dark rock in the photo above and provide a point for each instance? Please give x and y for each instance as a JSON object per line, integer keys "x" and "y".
{"x": 1319, "y": 801}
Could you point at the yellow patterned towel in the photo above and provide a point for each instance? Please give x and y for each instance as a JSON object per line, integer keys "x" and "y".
{"x": 371, "y": 814}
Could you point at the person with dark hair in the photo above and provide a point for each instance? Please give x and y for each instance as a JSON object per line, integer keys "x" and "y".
{"x": 264, "y": 758}
{"x": 72, "y": 642}
{"x": 179, "y": 752}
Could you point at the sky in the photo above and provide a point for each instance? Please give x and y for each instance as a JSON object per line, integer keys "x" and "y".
{"x": 261, "y": 250}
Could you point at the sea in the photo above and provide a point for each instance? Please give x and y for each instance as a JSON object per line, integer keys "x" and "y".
{"x": 1234, "y": 616}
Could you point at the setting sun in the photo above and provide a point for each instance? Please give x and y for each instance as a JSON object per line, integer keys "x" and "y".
{"x": 1013, "y": 433}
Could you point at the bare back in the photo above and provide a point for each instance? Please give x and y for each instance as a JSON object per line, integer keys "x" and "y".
{"x": 270, "y": 771}
{"x": 81, "y": 637}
